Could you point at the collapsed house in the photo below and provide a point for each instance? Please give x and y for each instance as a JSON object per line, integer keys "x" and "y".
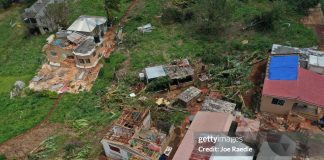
{"x": 179, "y": 72}
{"x": 212, "y": 104}
{"x": 132, "y": 136}
{"x": 81, "y": 42}
{"x": 190, "y": 95}
{"x": 288, "y": 87}
{"x": 35, "y": 16}
{"x": 73, "y": 56}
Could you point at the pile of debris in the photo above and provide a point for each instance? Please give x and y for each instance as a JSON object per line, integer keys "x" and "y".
{"x": 64, "y": 79}
{"x": 247, "y": 128}
{"x": 217, "y": 105}
{"x": 18, "y": 87}
{"x": 272, "y": 122}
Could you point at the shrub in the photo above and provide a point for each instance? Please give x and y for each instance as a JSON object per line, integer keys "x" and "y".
{"x": 158, "y": 84}
{"x": 264, "y": 21}
{"x": 171, "y": 15}
{"x": 211, "y": 17}
{"x": 5, "y": 3}
{"x": 2, "y": 157}
{"x": 211, "y": 56}
{"x": 302, "y": 6}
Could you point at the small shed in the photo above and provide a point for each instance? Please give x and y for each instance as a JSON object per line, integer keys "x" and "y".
{"x": 154, "y": 72}
{"x": 216, "y": 105}
{"x": 189, "y": 95}
{"x": 316, "y": 64}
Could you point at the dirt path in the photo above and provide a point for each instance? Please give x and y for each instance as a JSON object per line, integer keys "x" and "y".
{"x": 19, "y": 146}
{"x": 315, "y": 19}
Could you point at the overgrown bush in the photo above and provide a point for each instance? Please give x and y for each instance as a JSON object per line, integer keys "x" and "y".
{"x": 302, "y": 6}
{"x": 2, "y": 157}
{"x": 171, "y": 15}
{"x": 5, "y": 3}
{"x": 264, "y": 21}
{"x": 158, "y": 84}
{"x": 211, "y": 56}
{"x": 211, "y": 17}
{"x": 132, "y": 39}
{"x": 183, "y": 3}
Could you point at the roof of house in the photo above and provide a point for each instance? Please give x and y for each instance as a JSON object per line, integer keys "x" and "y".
{"x": 86, "y": 47}
{"x": 280, "y": 49}
{"x": 189, "y": 94}
{"x": 76, "y": 37}
{"x": 316, "y": 60}
{"x": 308, "y": 88}
{"x": 37, "y": 7}
{"x": 87, "y": 23}
{"x": 217, "y": 105}
{"x": 221, "y": 122}
{"x": 155, "y": 72}
{"x": 283, "y": 67}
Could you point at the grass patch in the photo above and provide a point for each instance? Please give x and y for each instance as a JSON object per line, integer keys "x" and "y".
{"x": 21, "y": 56}
{"x": 20, "y": 114}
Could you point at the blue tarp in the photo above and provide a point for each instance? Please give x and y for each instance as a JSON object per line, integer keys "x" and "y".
{"x": 283, "y": 68}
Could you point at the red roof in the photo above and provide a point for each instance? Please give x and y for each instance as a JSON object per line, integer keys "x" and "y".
{"x": 308, "y": 88}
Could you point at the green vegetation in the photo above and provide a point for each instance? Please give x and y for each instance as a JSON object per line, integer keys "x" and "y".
{"x": 19, "y": 115}
{"x": 158, "y": 84}
{"x": 20, "y": 58}
{"x": 2, "y": 157}
{"x": 88, "y": 112}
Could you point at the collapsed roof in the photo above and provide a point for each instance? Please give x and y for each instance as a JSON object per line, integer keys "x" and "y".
{"x": 217, "y": 105}
{"x": 87, "y": 47}
{"x": 132, "y": 132}
{"x": 189, "y": 94}
{"x": 178, "y": 70}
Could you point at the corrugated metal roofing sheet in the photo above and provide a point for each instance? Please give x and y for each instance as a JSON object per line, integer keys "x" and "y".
{"x": 155, "y": 72}
{"x": 316, "y": 60}
{"x": 87, "y": 23}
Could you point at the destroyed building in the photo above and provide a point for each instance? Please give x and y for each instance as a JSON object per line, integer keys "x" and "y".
{"x": 73, "y": 57}
{"x": 216, "y": 105}
{"x": 81, "y": 43}
{"x": 190, "y": 95}
{"x": 35, "y": 16}
{"x": 132, "y": 136}
{"x": 179, "y": 72}
{"x": 288, "y": 87}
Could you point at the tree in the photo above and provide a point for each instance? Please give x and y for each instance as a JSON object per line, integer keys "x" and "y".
{"x": 210, "y": 16}
{"x": 303, "y": 6}
{"x": 58, "y": 13}
{"x": 110, "y": 6}
{"x": 5, "y": 3}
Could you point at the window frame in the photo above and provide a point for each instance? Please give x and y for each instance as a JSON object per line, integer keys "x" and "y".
{"x": 277, "y": 101}
{"x": 115, "y": 149}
